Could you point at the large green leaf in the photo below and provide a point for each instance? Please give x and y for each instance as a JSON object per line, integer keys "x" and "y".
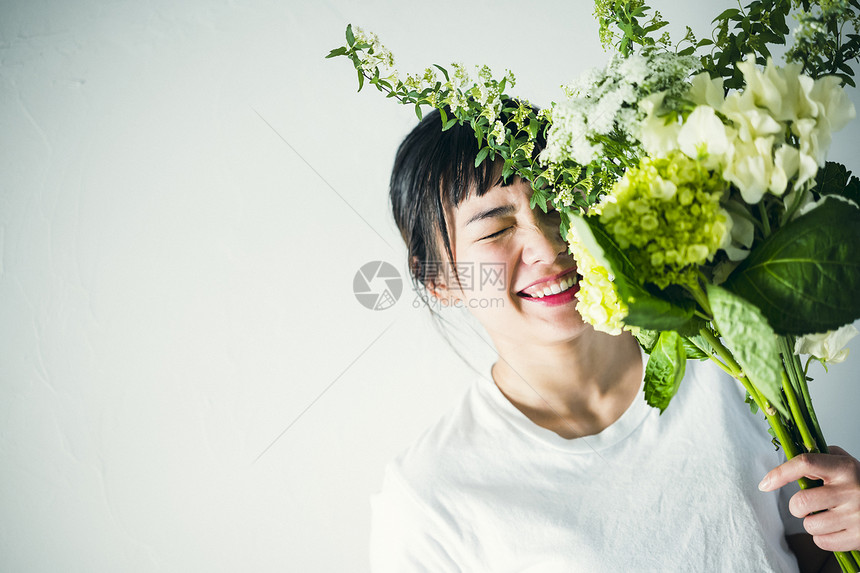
{"x": 806, "y": 276}
{"x": 644, "y": 308}
{"x": 665, "y": 370}
{"x": 751, "y": 340}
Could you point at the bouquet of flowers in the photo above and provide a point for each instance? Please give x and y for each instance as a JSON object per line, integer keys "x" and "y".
{"x": 694, "y": 190}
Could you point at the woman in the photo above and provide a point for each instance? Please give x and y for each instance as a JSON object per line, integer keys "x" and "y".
{"x": 552, "y": 461}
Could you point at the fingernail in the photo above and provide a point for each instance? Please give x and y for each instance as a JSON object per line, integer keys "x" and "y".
{"x": 764, "y": 485}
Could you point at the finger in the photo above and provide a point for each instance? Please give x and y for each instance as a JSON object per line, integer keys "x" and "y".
{"x": 825, "y": 467}
{"x": 826, "y": 522}
{"x": 839, "y": 541}
{"x": 836, "y": 450}
{"x": 808, "y": 501}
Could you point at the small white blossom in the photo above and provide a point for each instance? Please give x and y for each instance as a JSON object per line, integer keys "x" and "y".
{"x": 601, "y": 119}
{"x": 634, "y": 69}
{"x": 498, "y": 133}
{"x": 828, "y": 347}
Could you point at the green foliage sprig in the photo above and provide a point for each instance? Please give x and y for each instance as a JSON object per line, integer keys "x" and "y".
{"x": 505, "y": 127}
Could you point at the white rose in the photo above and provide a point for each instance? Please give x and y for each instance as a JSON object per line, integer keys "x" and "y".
{"x": 828, "y": 347}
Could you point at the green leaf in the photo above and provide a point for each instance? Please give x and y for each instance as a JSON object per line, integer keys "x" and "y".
{"x": 731, "y": 12}
{"x": 418, "y": 112}
{"x": 481, "y": 155}
{"x": 852, "y": 190}
{"x": 449, "y": 124}
{"x": 831, "y": 179}
{"x": 360, "y": 79}
{"x": 692, "y": 346}
{"x": 443, "y": 70}
{"x": 539, "y": 199}
{"x": 645, "y": 309}
{"x": 350, "y": 37}
{"x": 751, "y": 340}
{"x": 749, "y": 400}
{"x": 665, "y": 370}
{"x": 336, "y": 52}
{"x": 805, "y": 276}
{"x": 647, "y": 339}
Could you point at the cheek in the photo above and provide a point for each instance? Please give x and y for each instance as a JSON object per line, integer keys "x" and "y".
{"x": 493, "y": 273}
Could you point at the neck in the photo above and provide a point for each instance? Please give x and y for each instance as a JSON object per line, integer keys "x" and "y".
{"x": 575, "y": 388}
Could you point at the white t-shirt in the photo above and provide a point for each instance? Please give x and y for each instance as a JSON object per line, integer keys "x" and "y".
{"x": 486, "y": 489}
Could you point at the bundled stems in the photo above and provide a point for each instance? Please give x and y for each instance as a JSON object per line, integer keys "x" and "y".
{"x": 807, "y": 436}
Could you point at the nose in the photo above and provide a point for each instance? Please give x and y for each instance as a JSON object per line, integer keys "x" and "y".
{"x": 544, "y": 242}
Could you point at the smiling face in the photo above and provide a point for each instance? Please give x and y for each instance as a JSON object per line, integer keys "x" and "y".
{"x": 498, "y": 236}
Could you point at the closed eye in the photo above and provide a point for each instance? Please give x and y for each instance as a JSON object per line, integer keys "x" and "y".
{"x": 496, "y": 234}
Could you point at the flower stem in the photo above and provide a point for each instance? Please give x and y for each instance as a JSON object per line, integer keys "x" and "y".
{"x": 847, "y": 561}
{"x": 700, "y": 297}
{"x": 797, "y": 374}
{"x": 773, "y": 417}
{"x": 764, "y": 219}
{"x": 797, "y": 415}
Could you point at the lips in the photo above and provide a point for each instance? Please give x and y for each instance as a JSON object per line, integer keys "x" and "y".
{"x": 551, "y": 285}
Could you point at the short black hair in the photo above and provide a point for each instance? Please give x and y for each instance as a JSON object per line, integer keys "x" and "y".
{"x": 434, "y": 170}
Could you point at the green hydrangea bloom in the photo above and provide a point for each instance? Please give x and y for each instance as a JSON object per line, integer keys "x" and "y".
{"x": 666, "y": 215}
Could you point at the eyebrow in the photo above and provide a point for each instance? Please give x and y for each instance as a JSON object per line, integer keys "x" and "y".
{"x": 500, "y": 211}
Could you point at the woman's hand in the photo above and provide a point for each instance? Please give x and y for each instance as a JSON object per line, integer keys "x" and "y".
{"x": 837, "y": 528}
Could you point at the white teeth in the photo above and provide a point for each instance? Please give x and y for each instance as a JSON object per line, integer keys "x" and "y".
{"x": 556, "y": 287}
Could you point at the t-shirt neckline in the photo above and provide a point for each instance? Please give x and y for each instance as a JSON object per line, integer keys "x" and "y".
{"x": 632, "y": 417}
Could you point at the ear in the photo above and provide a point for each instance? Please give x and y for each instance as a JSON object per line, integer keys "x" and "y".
{"x": 440, "y": 291}
{"x": 438, "y": 288}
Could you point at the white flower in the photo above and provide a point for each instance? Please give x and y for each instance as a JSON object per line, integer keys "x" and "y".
{"x": 751, "y": 167}
{"x": 766, "y": 88}
{"x": 703, "y": 135}
{"x": 376, "y": 56}
{"x": 797, "y": 102}
{"x": 602, "y": 117}
{"x": 833, "y": 103}
{"x": 786, "y": 162}
{"x": 659, "y": 135}
{"x": 750, "y": 120}
{"x": 828, "y": 347}
{"x": 634, "y": 69}
{"x": 705, "y": 91}
{"x": 498, "y": 133}
{"x": 568, "y": 136}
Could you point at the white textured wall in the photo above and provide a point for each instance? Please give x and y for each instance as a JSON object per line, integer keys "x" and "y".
{"x": 176, "y": 281}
